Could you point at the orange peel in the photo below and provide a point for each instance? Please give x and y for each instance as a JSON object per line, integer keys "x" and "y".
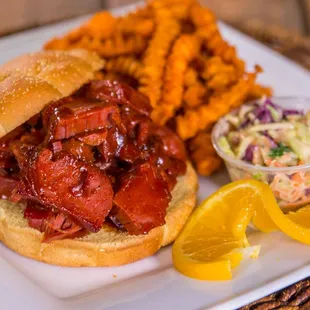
{"x": 214, "y": 240}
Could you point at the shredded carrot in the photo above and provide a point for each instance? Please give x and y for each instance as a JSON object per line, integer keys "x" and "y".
{"x": 297, "y": 178}
{"x": 276, "y": 164}
{"x": 276, "y": 194}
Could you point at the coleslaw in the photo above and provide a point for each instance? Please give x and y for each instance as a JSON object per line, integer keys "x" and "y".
{"x": 264, "y": 134}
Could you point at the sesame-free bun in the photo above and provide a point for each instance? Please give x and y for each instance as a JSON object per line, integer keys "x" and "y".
{"x": 31, "y": 81}
{"x": 108, "y": 247}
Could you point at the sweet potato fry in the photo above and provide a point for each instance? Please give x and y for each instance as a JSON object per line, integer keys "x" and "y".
{"x": 174, "y": 53}
{"x": 184, "y": 50}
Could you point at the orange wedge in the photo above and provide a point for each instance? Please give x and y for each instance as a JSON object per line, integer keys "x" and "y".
{"x": 262, "y": 221}
{"x": 301, "y": 217}
{"x": 214, "y": 241}
{"x": 292, "y": 224}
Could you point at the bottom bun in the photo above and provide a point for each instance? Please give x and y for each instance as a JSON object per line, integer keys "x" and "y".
{"x": 108, "y": 247}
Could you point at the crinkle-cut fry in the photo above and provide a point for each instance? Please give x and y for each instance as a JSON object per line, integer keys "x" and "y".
{"x": 154, "y": 60}
{"x": 101, "y": 25}
{"x": 66, "y": 42}
{"x": 57, "y": 44}
{"x": 204, "y": 116}
{"x": 116, "y": 46}
{"x": 214, "y": 65}
{"x": 203, "y": 154}
{"x": 183, "y": 51}
{"x": 140, "y": 22}
{"x": 85, "y": 42}
{"x": 75, "y": 35}
{"x": 198, "y": 119}
{"x": 218, "y": 74}
{"x": 221, "y": 81}
{"x": 107, "y": 35}
{"x": 198, "y": 63}
{"x": 142, "y": 12}
{"x": 201, "y": 16}
{"x": 219, "y": 47}
{"x": 194, "y": 95}
{"x": 125, "y": 66}
{"x": 205, "y": 21}
{"x": 190, "y": 77}
{"x": 178, "y": 8}
{"x": 139, "y": 26}
{"x": 202, "y": 140}
{"x": 206, "y": 164}
{"x": 257, "y": 91}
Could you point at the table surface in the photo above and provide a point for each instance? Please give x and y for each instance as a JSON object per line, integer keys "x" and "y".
{"x": 292, "y": 15}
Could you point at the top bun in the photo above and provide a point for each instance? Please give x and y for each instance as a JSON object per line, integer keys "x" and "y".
{"x": 30, "y": 82}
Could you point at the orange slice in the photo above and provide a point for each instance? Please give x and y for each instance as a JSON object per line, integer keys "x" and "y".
{"x": 262, "y": 221}
{"x": 301, "y": 217}
{"x": 292, "y": 224}
{"x": 214, "y": 241}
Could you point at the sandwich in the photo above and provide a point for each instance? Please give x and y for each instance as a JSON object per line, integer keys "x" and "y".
{"x": 86, "y": 177}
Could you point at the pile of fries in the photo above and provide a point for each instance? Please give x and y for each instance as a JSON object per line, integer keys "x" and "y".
{"x": 173, "y": 52}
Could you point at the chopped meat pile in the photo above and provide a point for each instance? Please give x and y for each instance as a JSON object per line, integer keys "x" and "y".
{"x": 89, "y": 158}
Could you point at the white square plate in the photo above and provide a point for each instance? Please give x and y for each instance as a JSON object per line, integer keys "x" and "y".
{"x": 152, "y": 283}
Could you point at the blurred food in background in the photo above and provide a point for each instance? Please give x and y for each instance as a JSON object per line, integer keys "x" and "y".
{"x": 173, "y": 52}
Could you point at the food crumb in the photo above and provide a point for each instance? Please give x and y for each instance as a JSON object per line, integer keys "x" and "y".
{"x": 114, "y": 276}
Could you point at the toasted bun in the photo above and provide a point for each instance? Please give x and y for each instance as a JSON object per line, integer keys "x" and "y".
{"x": 29, "y": 82}
{"x": 108, "y": 247}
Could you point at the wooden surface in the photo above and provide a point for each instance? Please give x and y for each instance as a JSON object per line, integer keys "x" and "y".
{"x": 294, "y": 297}
{"x": 293, "y": 15}
{"x": 284, "y": 13}
{"x": 306, "y": 13}
{"x": 21, "y": 14}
